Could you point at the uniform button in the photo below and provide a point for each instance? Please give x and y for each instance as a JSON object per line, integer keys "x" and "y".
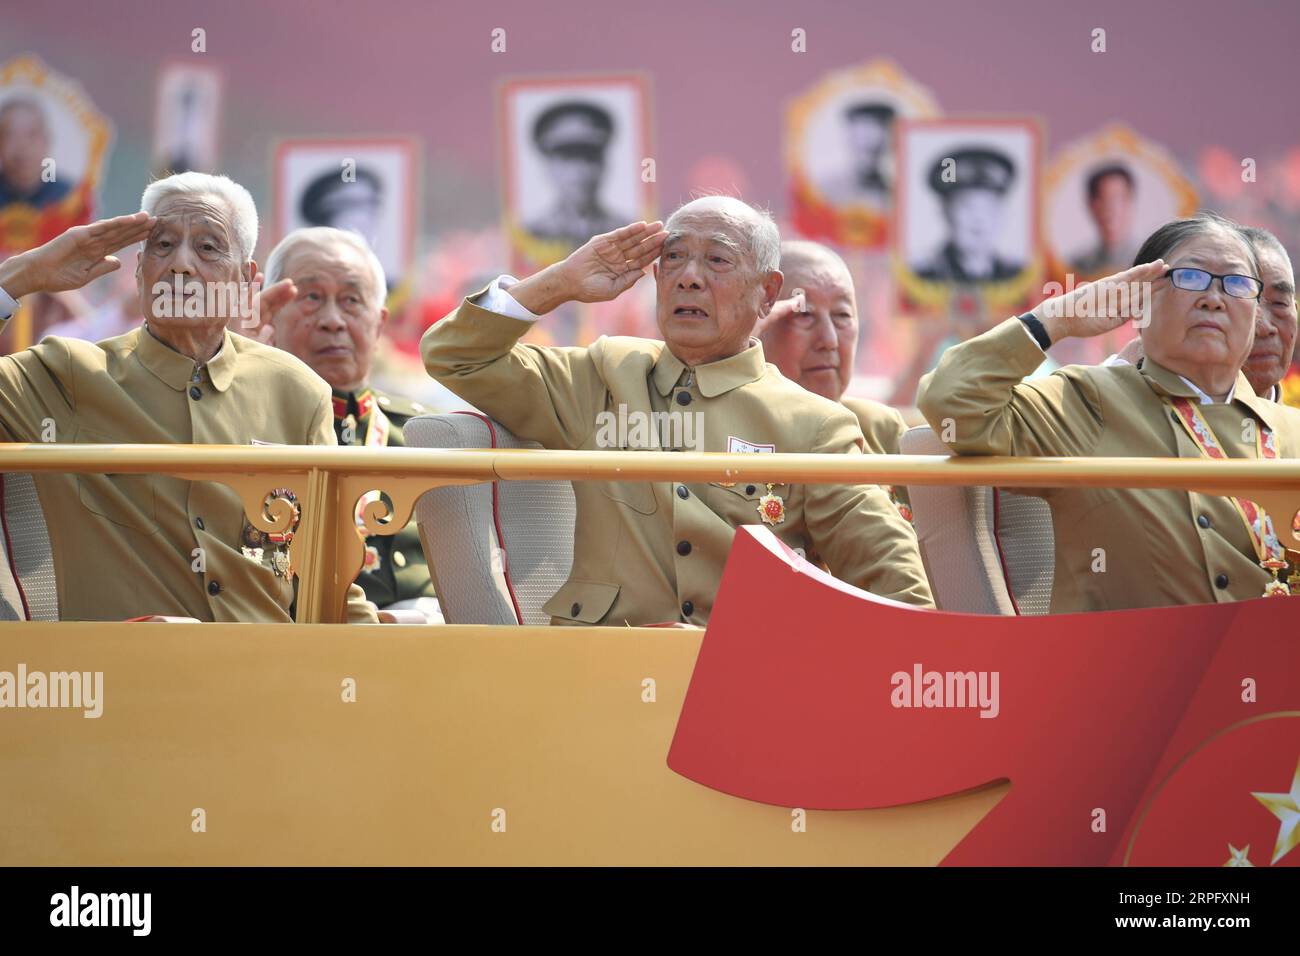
{"x": 749, "y": 489}
{"x": 1203, "y": 520}
{"x": 687, "y": 609}
{"x": 682, "y": 492}
{"x": 214, "y": 588}
{"x": 574, "y": 611}
{"x": 683, "y": 398}
{"x": 683, "y": 548}
{"x": 195, "y": 393}
{"x": 198, "y": 523}
{"x": 399, "y": 559}
{"x": 1221, "y": 581}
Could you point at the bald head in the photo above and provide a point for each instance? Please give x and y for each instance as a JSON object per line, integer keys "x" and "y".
{"x": 815, "y": 343}
{"x": 764, "y": 240}
{"x": 717, "y": 274}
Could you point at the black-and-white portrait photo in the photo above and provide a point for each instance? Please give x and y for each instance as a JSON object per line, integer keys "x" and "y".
{"x": 968, "y": 214}
{"x": 186, "y": 123}
{"x": 840, "y": 151}
{"x": 574, "y": 154}
{"x": 363, "y": 186}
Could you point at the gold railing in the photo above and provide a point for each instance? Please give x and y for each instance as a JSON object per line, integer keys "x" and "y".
{"x": 328, "y": 548}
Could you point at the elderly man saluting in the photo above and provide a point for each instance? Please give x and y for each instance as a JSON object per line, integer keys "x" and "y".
{"x": 653, "y": 552}
{"x": 135, "y": 545}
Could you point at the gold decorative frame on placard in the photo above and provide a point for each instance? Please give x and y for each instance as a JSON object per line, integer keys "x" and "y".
{"x": 1113, "y": 142}
{"x": 815, "y": 215}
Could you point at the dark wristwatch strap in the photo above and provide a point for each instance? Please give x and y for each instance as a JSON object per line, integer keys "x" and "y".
{"x": 1037, "y": 330}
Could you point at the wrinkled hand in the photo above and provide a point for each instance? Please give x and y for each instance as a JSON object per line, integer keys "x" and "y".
{"x": 263, "y": 306}
{"x": 608, "y": 265}
{"x": 1096, "y": 308}
{"x": 75, "y": 257}
{"x": 781, "y": 310}
{"x": 603, "y": 268}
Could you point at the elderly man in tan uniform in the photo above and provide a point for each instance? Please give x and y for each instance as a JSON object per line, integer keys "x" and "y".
{"x": 1187, "y": 398}
{"x": 653, "y": 552}
{"x": 143, "y": 544}
{"x": 811, "y": 335}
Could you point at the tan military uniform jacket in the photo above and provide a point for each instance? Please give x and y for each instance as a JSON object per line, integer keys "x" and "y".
{"x": 1160, "y": 547}
{"x": 125, "y": 545}
{"x": 883, "y": 428}
{"x": 652, "y": 552}
{"x": 881, "y": 425}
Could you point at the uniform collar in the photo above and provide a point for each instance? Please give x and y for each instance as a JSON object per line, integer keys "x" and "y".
{"x": 177, "y": 370}
{"x": 1165, "y": 382}
{"x": 716, "y": 378}
{"x": 359, "y": 403}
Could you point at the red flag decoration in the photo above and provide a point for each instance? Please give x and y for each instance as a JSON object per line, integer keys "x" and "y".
{"x": 811, "y": 693}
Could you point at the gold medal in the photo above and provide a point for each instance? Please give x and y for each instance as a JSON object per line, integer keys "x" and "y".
{"x": 771, "y": 508}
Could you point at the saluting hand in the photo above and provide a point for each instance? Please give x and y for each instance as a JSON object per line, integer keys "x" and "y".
{"x": 1096, "y": 308}
{"x": 75, "y": 257}
{"x": 781, "y": 310}
{"x": 265, "y": 303}
{"x": 601, "y": 269}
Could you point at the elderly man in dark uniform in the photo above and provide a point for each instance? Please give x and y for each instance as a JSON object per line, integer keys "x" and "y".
{"x": 972, "y": 185}
{"x": 573, "y": 136}
{"x": 334, "y": 324}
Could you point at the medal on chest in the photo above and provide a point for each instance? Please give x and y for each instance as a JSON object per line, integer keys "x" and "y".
{"x": 771, "y": 507}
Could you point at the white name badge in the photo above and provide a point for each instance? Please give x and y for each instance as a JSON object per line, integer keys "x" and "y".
{"x": 740, "y": 446}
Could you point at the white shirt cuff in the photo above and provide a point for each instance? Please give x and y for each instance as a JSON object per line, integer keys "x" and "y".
{"x": 8, "y": 305}
{"x": 497, "y": 299}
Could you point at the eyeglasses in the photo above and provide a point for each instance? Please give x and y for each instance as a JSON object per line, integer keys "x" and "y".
{"x": 1198, "y": 280}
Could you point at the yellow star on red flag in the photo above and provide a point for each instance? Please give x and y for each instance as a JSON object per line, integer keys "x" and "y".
{"x": 1286, "y": 807}
{"x": 1239, "y": 857}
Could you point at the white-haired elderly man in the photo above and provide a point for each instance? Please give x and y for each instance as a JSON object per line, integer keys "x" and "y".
{"x": 648, "y": 553}
{"x": 139, "y": 545}
{"x": 334, "y": 325}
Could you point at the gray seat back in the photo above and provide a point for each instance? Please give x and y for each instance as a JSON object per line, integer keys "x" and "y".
{"x": 27, "y": 586}
{"x": 497, "y": 551}
{"x": 986, "y": 550}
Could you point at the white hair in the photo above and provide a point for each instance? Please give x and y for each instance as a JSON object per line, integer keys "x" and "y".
{"x": 243, "y": 213}
{"x": 758, "y": 225}
{"x": 323, "y": 235}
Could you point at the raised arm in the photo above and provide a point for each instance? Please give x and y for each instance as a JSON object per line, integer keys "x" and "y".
{"x": 542, "y": 394}
{"x": 976, "y": 399}
{"x": 36, "y": 394}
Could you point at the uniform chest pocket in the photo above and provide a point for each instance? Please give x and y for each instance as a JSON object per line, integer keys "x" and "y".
{"x": 128, "y": 500}
{"x": 637, "y": 495}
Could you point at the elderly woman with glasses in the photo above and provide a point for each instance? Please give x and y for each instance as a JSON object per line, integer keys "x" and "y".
{"x": 1193, "y": 291}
